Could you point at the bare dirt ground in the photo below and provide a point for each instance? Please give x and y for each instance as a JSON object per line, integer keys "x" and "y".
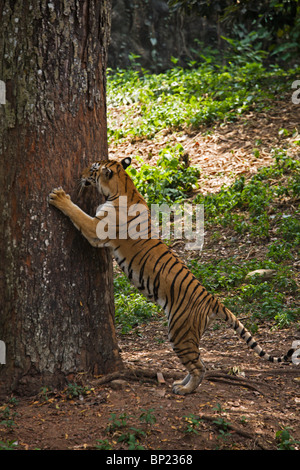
{"x": 242, "y": 402}
{"x": 224, "y": 151}
{"x": 236, "y": 412}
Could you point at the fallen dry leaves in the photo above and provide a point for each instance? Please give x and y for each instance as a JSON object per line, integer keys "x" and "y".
{"x": 226, "y": 150}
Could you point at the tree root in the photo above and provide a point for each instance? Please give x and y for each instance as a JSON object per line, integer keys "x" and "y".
{"x": 138, "y": 373}
{"x": 233, "y": 380}
{"x": 129, "y": 374}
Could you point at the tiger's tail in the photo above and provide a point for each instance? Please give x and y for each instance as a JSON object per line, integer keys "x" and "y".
{"x": 250, "y": 341}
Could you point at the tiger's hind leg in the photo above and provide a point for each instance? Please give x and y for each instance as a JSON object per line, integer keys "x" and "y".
{"x": 192, "y": 361}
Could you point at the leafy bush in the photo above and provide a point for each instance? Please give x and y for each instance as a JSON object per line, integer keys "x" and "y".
{"x": 261, "y": 299}
{"x": 245, "y": 206}
{"x": 285, "y": 440}
{"x": 131, "y": 307}
{"x": 207, "y": 92}
{"x": 203, "y": 93}
{"x": 169, "y": 181}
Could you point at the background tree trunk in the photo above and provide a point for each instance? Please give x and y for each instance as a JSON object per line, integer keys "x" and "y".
{"x": 56, "y": 291}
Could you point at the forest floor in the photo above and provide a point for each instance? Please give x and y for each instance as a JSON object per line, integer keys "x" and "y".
{"x": 242, "y": 403}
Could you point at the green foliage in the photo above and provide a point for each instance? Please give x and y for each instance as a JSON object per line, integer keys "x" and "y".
{"x": 131, "y": 308}
{"x": 192, "y": 424}
{"x": 8, "y": 445}
{"x": 74, "y": 390}
{"x": 206, "y": 92}
{"x": 258, "y": 29}
{"x": 129, "y": 436}
{"x": 169, "y": 181}
{"x": 103, "y": 444}
{"x": 147, "y": 416}
{"x": 116, "y": 422}
{"x": 122, "y": 432}
{"x": 261, "y": 299}
{"x": 245, "y": 206}
{"x": 279, "y": 251}
{"x": 285, "y": 440}
{"x": 221, "y": 423}
{"x": 7, "y": 417}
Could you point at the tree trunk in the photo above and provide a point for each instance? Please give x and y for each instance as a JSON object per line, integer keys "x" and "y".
{"x": 56, "y": 291}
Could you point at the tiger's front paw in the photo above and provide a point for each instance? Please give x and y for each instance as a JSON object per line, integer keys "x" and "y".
{"x": 59, "y": 198}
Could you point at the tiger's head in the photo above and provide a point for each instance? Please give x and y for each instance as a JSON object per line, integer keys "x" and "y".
{"x": 108, "y": 177}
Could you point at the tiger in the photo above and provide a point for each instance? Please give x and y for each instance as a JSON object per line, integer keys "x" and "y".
{"x": 152, "y": 267}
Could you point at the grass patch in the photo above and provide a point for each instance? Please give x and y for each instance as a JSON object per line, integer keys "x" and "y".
{"x": 131, "y": 308}
{"x": 203, "y": 93}
{"x": 170, "y": 180}
{"x": 261, "y": 299}
{"x": 261, "y": 206}
{"x": 265, "y": 208}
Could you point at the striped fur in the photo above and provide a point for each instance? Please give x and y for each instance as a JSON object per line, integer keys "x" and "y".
{"x": 155, "y": 270}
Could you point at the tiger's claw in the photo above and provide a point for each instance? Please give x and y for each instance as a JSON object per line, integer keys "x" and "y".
{"x": 58, "y": 197}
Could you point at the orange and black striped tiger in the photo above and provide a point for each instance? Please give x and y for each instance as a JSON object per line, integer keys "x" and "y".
{"x": 151, "y": 266}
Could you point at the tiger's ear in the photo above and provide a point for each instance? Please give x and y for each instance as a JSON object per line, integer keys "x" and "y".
{"x": 126, "y": 162}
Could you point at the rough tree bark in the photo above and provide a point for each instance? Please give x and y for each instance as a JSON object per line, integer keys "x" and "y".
{"x": 56, "y": 292}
